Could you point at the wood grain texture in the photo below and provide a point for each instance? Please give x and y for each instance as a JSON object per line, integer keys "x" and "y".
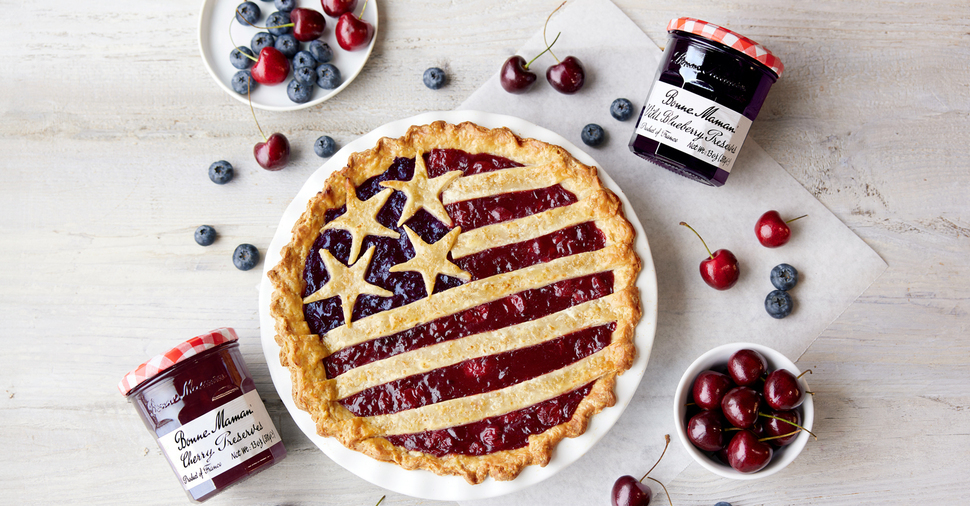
{"x": 108, "y": 122}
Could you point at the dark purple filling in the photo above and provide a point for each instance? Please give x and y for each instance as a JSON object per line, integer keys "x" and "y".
{"x": 521, "y": 307}
{"x": 503, "y": 432}
{"x": 475, "y": 213}
{"x": 479, "y": 375}
{"x": 439, "y": 161}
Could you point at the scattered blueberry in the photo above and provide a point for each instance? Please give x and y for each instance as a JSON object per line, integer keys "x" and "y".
{"x": 723, "y": 503}
{"x": 306, "y": 75}
{"x": 299, "y": 92}
{"x": 220, "y": 172}
{"x": 245, "y": 257}
{"x": 247, "y": 13}
{"x": 285, "y": 5}
{"x": 593, "y": 135}
{"x": 275, "y": 22}
{"x": 328, "y": 76}
{"x": 434, "y": 78}
{"x": 239, "y": 57}
{"x": 205, "y": 235}
{"x": 778, "y": 304}
{"x": 243, "y": 81}
{"x": 288, "y": 45}
{"x": 325, "y": 146}
{"x": 304, "y": 59}
{"x": 784, "y": 277}
{"x": 261, "y": 40}
{"x": 321, "y": 51}
{"x": 621, "y": 109}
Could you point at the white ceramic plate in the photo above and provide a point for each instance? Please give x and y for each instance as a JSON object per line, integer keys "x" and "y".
{"x": 425, "y": 484}
{"x": 218, "y": 17}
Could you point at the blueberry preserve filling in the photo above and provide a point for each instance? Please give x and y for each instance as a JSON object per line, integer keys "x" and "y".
{"x": 479, "y": 375}
{"x": 503, "y": 432}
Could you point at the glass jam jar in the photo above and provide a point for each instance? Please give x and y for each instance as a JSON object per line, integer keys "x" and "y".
{"x": 201, "y": 404}
{"x": 708, "y": 90}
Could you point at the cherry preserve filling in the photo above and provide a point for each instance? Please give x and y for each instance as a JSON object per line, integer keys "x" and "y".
{"x": 479, "y": 375}
{"x": 503, "y": 432}
{"x": 475, "y": 213}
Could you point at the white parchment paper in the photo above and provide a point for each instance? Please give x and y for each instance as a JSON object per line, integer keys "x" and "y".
{"x": 834, "y": 265}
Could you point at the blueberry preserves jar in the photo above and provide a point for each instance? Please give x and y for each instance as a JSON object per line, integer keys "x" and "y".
{"x": 201, "y": 404}
{"x": 708, "y": 90}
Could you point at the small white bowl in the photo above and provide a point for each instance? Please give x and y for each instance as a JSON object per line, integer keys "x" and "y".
{"x": 718, "y": 357}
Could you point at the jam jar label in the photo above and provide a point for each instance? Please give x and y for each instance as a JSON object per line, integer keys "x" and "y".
{"x": 693, "y": 125}
{"x": 219, "y": 440}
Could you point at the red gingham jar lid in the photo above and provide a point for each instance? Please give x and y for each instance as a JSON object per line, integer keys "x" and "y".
{"x": 730, "y": 39}
{"x": 182, "y": 352}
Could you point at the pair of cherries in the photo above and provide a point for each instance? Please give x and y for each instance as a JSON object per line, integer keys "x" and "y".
{"x": 567, "y": 76}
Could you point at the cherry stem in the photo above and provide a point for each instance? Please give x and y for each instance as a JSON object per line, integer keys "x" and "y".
{"x": 789, "y": 422}
{"x": 234, "y": 42}
{"x": 259, "y": 27}
{"x": 665, "y": 491}
{"x": 379, "y": 501}
{"x": 809, "y": 371}
{"x": 701, "y": 238}
{"x": 249, "y": 95}
{"x": 362, "y": 10}
{"x": 769, "y": 438}
{"x": 793, "y": 219}
{"x": 549, "y": 46}
{"x": 667, "y": 439}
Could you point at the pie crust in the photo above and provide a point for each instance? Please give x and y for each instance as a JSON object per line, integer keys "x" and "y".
{"x": 543, "y": 165}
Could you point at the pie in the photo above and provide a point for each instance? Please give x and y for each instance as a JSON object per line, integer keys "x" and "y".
{"x": 531, "y": 271}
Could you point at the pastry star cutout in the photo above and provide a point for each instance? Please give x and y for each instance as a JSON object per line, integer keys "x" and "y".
{"x": 361, "y": 219}
{"x": 347, "y": 282}
{"x": 424, "y": 192}
{"x": 432, "y": 259}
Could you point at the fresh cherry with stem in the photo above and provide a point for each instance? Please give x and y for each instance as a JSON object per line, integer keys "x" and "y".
{"x": 568, "y": 75}
{"x": 515, "y": 76}
{"x": 271, "y": 66}
{"x": 772, "y": 231}
{"x": 628, "y": 491}
{"x": 746, "y": 367}
{"x": 709, "y": 388}
{"x": 352, "y": 32}
{"x": 336, "y": 8}
{"x": 274, "y": 152}
{"x": 720, "y": 270}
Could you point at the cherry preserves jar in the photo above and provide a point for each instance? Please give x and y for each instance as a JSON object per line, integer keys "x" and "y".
{"x": 201, "y": 404}
{"x": 708, "y": 90}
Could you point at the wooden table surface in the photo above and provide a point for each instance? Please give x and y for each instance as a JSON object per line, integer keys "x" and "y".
{"x": 109, "y": 122}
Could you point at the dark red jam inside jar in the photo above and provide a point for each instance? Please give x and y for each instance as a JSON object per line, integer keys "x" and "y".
{"x": 708, "y": 90}
{"x": 201, "y": 404}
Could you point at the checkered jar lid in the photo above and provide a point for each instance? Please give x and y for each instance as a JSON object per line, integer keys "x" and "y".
{"x": 180, "y": 353}
{"x": 730, "y": 39}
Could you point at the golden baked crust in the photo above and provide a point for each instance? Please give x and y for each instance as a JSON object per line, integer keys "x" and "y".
{"x": 544, "y": 165}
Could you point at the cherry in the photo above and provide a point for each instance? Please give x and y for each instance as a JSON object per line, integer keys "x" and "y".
{"x": 772, "y": 231}
{"x": 515, "y": 76}
{"x": 567, "y": 76}
{"x": 273, "y": 153}
{"x": 709, "y": 388}
{"x": 271, "y": 67}
{"x": 746, "y": 367}
{"x": 628, "y": 491}
{"x": 352, "y": 32}
{"x": 706, "y": 431}
{"x": 336, "y": 8}
{"x": 720, "y": 271}
{"x": 308, "y": 24}
{"x": 747, "y": 454}
{"x": 740, "y": 406}
{"x": 783, "y": 391}
{"x": 782, "y": 427}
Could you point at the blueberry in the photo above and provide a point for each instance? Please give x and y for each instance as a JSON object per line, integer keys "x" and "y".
{"x": 275, "y": 22}
{"x": 239, "y": 57}
{"x": 306, "y": 75}
{"x": 245, "y": 257}
{"x": 434, "y": 78}
{"x": 220, "y": 172}
{"x": 593, "y": 135}
{"x": 284, "y": 5}
{"x": 784, "y": 277}
{"x": 328, "y": 76}
{"x": 321, "y": 51}
{"x": 205, "y": 235}
{"x": 288, "y": 45}
{"x": 261, "y": 40}
{"x": 723, "y": 503}
{"x": 299, "y": 92}
{"x": 304, "y": 59}
{"x": 621, "y": 109}
{"x": 243, "y": 81}
{"x": 778, "y": 304}
{"x": 247, "y": 13}
{"x": 324, "y": 146}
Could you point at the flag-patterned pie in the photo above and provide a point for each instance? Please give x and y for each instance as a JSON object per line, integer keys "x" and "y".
{"x": 458, "y": 300}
